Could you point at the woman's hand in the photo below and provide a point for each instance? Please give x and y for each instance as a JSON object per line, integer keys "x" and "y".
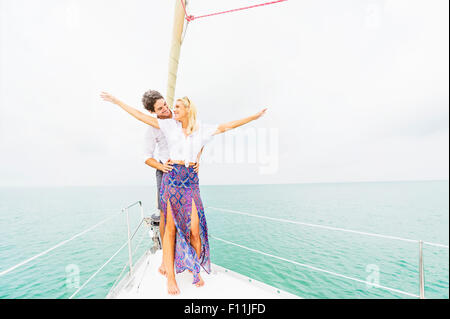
{"x": 259, "y": 114}
{"x": 222, "y": 128}
{"x": 197, "y": 163}
{"x": 109, "y": 98}
{"x": 197, "y": 167}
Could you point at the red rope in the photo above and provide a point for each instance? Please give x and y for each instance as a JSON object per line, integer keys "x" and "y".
{"x": 188, "y": 17}
{"x": 192, "y": 18}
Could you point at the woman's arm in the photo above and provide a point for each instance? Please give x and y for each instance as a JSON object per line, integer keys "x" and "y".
{"x": 231, "y": 125}
{"x": 150, "y": 120}
{"x": 197, "y": 163}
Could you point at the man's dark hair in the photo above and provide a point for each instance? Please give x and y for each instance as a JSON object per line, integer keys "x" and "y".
{"x": 149, "y": 99}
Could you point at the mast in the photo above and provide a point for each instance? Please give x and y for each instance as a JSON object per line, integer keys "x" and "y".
{"x": 178, "y": 26}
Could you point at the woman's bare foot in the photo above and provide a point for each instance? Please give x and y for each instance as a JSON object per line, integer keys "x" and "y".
{"x": 201, "y": 282}
{"x": 162, "y": 269}
{"x": 172, "y": 287}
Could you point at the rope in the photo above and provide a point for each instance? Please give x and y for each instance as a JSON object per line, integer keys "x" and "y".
{"x": 328, "y": 227}
{"x": 318, "y": 269}
{"x": 188, "y": 17}
{"x": 184, "y": 32}
{"x": 192, "y": 18}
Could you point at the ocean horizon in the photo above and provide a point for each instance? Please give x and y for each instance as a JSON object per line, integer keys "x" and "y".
{"x": 241, "y": 184}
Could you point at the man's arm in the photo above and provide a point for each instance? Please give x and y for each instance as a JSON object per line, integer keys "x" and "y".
{"x": 157, "y": 165}
{"x": 147, "y": 119}
{"x": 150, "y": 142}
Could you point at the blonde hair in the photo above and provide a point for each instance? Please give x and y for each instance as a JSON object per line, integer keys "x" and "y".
{"x": 192, "y": 115}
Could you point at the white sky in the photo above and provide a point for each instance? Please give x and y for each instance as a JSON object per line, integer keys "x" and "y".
{"x": 357, "y": 89}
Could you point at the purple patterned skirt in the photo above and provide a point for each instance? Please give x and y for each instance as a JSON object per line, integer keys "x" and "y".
{"x": 180, "y": 186}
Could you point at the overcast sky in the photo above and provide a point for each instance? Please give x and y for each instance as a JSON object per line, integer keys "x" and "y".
{"x": 357, "y": 90}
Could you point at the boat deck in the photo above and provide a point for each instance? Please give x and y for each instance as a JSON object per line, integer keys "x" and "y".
{"x": 147, "y": 283}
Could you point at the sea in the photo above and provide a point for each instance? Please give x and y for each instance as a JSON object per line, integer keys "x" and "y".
{"x": 300, "y": 258}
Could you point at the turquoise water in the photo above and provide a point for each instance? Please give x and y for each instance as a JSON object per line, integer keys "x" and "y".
{"x": 35, "y": 219}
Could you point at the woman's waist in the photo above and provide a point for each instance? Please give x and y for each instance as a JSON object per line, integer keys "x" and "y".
{"x": 185, "y": 152}
{"x": 181, "y": 176}
{"x": 182, "y": 163}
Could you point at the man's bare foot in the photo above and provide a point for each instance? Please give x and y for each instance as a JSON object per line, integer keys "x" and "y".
{"x": 172, "y": 287}
{"x": 201, "y": 283}
{"x": 162, "y": 269}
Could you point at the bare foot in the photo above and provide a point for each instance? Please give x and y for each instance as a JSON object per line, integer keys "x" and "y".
{"x": 162, "y": 270}
{"x": 201, "y": 283}
{"x": 172, "y": 287}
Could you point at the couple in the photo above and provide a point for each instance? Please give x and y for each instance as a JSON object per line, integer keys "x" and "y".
{"x": 181, "y": 137}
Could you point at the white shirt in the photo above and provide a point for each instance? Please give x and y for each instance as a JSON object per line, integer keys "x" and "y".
{"x": 182, "y": 147}
{"x": 155, "y": 145}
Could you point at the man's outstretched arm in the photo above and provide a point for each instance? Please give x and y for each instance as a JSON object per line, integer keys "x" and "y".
{"x": 147, "y": 119}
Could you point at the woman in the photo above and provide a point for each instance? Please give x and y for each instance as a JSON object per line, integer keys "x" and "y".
{"x": 180, "y": 193}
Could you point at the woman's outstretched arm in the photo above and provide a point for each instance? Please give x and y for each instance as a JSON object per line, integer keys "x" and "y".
{"x": 222, "y": 128}
{"x": 150, "y": 120}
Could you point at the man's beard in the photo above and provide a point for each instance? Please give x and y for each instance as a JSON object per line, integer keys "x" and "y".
{"x": 165, "y": 116}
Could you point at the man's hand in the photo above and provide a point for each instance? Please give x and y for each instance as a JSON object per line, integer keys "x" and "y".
{"x": 165, "y": 168}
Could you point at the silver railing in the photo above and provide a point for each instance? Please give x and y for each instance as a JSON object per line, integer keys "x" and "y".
{"x": 128, "y": 242}
{"x": 45, "y": 252}
{"x": 64, "y": 242}
{"x": 130, "y": 237}
{"x": 421, "y": 272}
{"x": 420, "y": 242}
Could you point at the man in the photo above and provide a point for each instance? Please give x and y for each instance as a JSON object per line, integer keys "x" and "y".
{"x": 156, "y": 104}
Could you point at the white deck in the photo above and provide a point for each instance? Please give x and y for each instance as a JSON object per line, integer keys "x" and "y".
{"x": 148, "y": 283}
